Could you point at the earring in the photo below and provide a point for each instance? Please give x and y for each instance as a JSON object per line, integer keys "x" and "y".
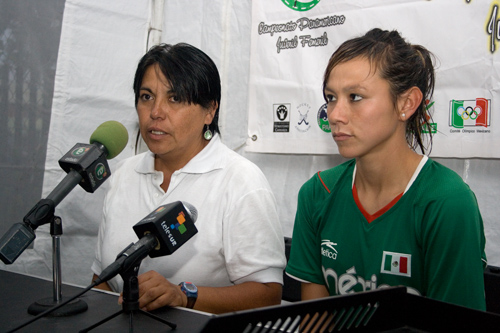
{"x": 403, "y": 115}
{"x": 208, "y": 134}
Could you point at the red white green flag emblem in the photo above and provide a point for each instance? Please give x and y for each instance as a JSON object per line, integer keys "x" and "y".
{"x": 396, "y": 263}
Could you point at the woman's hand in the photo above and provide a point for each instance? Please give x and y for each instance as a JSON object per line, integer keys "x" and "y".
{"x": 155, "y": 291}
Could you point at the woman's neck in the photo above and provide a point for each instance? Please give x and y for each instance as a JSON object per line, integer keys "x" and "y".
{"x": 379, "y": 181}
{"x": 169, "y": 163}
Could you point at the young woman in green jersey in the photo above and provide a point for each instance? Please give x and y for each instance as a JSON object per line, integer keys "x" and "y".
{"x": 389, "y": 216}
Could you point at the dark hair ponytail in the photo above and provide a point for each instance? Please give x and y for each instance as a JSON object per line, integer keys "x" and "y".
{"x": 404, "y": 66}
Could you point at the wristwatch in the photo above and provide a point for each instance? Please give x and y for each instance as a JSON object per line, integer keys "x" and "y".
{"x": 191, "y": 292}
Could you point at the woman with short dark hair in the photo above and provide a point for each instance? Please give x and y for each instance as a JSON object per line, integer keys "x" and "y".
{"x": 236, "y": 259}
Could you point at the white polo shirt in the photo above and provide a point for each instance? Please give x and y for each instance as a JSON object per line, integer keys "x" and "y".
{"x": 239, "y": 235}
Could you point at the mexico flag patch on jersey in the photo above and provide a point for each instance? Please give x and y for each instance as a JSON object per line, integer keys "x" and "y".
{"x": 396, "y": 263}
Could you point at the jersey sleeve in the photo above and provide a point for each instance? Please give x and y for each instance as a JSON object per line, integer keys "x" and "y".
{"x": 305, "y": 259}
{"x": 453, "y": 242}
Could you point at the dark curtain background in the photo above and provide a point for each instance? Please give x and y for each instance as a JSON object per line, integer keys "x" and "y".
{"x": 29, "y": 41}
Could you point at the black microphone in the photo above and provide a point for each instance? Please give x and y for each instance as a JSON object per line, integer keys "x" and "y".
{"x": 86, "y": 165}
{"x": 161, "y": 233}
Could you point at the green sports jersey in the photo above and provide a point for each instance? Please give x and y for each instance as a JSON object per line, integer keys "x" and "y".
{"x": 431, "y": 241}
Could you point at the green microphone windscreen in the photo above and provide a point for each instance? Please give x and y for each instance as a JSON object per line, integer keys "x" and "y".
{"x": 112, "y": 135}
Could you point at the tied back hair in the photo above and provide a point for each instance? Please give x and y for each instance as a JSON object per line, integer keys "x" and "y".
{"x": 404, "y": 66}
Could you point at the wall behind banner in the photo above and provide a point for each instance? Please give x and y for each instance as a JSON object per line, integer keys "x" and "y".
{"x": 101, "y": 42}
{"x": 29, "y": 41}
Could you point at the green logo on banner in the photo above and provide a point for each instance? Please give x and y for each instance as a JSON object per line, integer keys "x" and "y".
{"x": 431, "y": 127}
{"x": 300, "y": 6}
{"x": 322, "y": 118}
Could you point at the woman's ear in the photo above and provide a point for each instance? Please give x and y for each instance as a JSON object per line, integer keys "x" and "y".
{"x": 409, "y": 102}
{"x": 211, "y": 112}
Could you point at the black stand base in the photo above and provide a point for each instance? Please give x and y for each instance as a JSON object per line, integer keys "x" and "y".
{"x": 130, "y": 305}
{"x": 131, "y": 322}
{"x": 74, "y": 307}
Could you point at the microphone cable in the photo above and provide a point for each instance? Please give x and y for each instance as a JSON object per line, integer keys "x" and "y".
{"x": 107, "y": 274}
{"x": 40, "y": 315}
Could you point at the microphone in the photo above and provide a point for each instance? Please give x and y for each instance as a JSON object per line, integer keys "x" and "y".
{"x": 86, "y": 165}
{"x": 161, "y": 233}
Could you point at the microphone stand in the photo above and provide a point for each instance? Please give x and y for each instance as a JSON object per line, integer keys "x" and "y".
{"x": 73, "y": 307}
{"x": 130, "y": 304}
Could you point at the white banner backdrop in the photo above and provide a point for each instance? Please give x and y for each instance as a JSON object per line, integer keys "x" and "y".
{"x": 101, "y": 43}
{"x": 291, "y": 47}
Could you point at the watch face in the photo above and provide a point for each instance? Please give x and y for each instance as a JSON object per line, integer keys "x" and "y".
{"x": 191, "y": 292}
{"x": 190, "y": 287}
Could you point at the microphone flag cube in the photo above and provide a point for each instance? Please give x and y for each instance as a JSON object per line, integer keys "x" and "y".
{"x": 171, "y": 224}
{"x": 90, "y": 162}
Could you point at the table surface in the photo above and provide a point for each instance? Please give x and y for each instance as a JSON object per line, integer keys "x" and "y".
{"x": 18, "y": 292}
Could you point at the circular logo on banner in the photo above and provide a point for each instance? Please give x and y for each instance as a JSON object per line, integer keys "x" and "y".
{"x": 300, "y": 6}
{"x": 323, "y": 119}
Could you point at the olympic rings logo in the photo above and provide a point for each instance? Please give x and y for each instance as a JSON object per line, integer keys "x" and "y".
{"x": 469, "y": 112}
